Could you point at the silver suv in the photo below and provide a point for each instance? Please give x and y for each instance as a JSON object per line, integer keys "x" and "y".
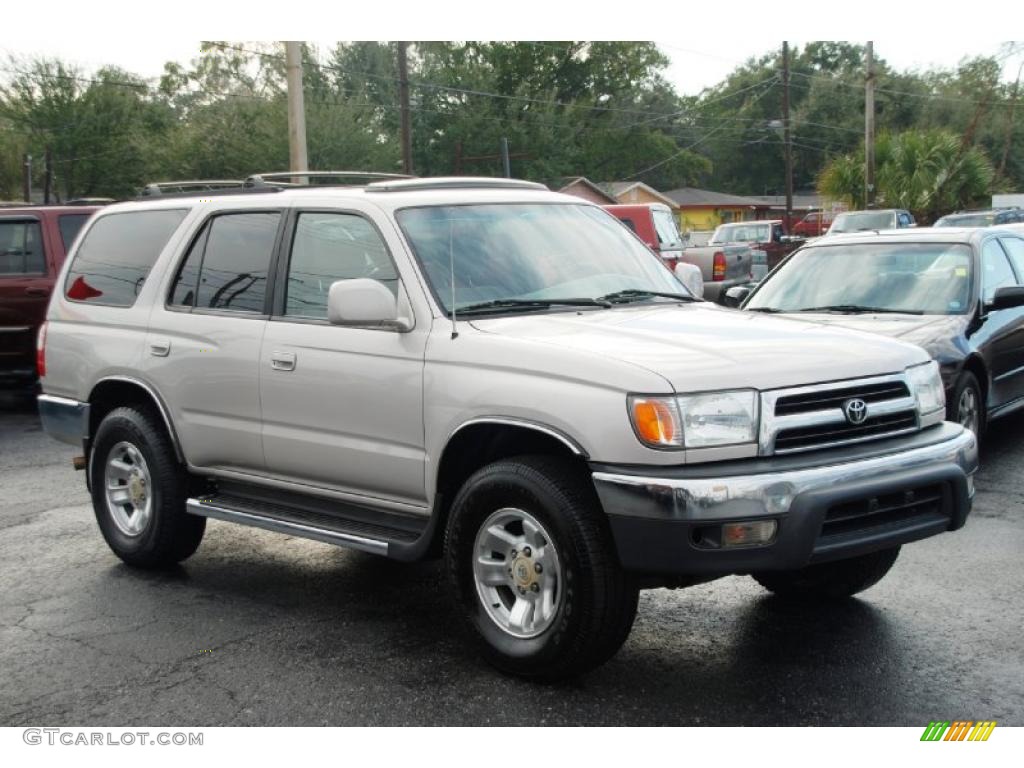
{"x": 495, "y": 372}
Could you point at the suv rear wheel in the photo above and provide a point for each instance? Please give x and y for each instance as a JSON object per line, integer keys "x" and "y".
{"x": 830, "y": 581}
{"x": 139, "y": 491}
{"x": 532, "y": 562}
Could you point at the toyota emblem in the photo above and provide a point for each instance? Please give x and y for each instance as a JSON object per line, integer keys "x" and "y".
{"x": 856, "y": 410}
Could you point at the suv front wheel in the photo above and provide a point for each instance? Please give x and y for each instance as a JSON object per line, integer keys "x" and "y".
{"x": 139, "y": 491}
{"x": 532, "y": 562}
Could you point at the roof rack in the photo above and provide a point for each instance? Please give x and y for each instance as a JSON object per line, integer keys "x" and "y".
{"x": 196, "y": 185}
{"x": 347, "y": 178}
{"x": 454, "y": 182}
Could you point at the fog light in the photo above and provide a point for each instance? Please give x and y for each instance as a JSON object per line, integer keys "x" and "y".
{"x": 748, "y": 534}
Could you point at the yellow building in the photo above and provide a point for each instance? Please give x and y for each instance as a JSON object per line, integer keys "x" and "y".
{"x": 701, "y": 210}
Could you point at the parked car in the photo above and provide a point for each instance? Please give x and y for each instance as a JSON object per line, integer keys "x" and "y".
{"x": 768, "y": 239}
{"x": 991, "y": 218}
{"x": 958, "y": 293}
{"x": 655, "y": 225}
{"x": 490, "y": 370}
{"x": 724, "y": 266}
{"x": 814, "y": 224}
{"x": 864, "y": 221}
{"x": 33, "y": 241}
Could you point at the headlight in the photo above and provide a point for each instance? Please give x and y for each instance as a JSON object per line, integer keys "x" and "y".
{"x": 696, "y": 421}
{"x": 926, "y": 385}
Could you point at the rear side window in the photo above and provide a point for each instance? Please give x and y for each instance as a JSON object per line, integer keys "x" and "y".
{"x": 21, "y": 248}
{"x": 70, "y": 225}
{"x": 226, "y": 267}
{"x": 116, "y": 255}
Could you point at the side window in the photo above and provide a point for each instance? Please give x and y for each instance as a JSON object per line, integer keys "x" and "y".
{"x": 1015, "y": 247}
{"x": 328, "y": 247}
{"x": 70, "y": 225}
{"x": 117, "y": 253}
{"x": 183, "y": 290}
{"x": 235, "y": 262}
{"x": 996, "y": 270}
{"x": 21, "y": 248}
{"x": 777, "y": 232}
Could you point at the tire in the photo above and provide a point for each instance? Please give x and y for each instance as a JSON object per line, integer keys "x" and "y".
{"x": 151, "y": 529}
{"x": 584, "y": 604}
{"x": 830, "y": 581}
{"x": 967, "y": 391}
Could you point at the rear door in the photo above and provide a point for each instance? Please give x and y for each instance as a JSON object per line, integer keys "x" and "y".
{"x": 25, "y": 285}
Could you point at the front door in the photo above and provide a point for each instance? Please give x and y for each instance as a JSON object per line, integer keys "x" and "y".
{"x": 342, "y": 406}
{"x": 1004, "y": 328}
{"x": 24, "y": 291}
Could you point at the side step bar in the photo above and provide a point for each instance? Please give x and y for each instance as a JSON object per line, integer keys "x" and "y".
{"x": 282, "y": 524}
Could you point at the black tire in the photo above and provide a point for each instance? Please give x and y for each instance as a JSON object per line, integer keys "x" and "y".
{"x": 171, "y": 534}
{"x": 967, "y": 383}
{"x": 830, "y": 581}
{"x": 598, "y": 600}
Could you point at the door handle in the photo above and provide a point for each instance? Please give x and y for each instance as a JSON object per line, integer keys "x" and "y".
{"x": 37, "y": 292}
{"x": 282, "y": 361}
{"x": 160, "y": 347}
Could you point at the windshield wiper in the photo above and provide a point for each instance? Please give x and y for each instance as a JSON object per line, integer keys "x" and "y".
{"x": 859, "y": 309}
{"x": 530, "y": 304}
{"x": 770, "y": 310}
{"x": 635, "y": 294}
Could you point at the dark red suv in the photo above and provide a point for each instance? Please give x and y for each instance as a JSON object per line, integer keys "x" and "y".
{"x": 33, "y": 243}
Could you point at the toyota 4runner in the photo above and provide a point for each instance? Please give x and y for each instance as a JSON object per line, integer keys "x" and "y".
{"x": 495, "y": 372}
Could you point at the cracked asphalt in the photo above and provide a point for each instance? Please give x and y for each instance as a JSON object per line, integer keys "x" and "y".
{"x": 263, "y": 629}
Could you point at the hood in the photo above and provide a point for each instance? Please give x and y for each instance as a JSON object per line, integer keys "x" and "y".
{"x": 702, "y": 346}
{"x": 938, "y": 335}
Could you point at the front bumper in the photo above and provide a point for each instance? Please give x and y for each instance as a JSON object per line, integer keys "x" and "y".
{"x": 828, "y": 506}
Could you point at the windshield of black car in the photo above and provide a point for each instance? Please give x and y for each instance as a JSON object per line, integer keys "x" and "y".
{"x": 741, "y": 233}
{"x": 927, "y": 278}
{"x": 529, "y": 252}
{"x": 864, "y": 220}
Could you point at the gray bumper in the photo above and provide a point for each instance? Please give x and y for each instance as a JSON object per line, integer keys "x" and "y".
{"x": 658, "y": 517}
{"x": 64, "y": 419}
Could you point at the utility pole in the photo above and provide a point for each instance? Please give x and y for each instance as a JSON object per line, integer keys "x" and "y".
{"x": 869, "y": 128}
{"x": 47, "y": 175}
{"x": 786, "y": 136}
{"x": 296, "y": 107}
{"x": 26, "y": 178}
{"x": 506, "y": 164}
{"x": 403, "y": 98}
{"x": 1009, "y": 123}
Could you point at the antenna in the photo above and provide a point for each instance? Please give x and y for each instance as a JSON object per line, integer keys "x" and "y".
{"x": 451, "y": 265}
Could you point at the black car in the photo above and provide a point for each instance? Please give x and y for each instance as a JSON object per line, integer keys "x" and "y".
{"x": 959, "y": 293}
{"x": 991, "y": 218}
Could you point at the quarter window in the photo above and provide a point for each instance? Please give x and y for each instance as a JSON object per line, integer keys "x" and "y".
{"x": 996, "y": 270}
{"x": 328, "y": 247}
{"x": 235, "y": 262}
{"x": 21, "y": 248}
{"x": 117, "y": 253}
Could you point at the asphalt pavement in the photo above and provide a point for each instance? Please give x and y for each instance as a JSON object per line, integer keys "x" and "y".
{"x": 263, "y": 629}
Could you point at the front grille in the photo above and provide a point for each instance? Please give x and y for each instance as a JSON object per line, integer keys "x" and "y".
{"x": 834, "y": 398}
{"x": 887, "y": 513}
{"x": 829, "y": 434}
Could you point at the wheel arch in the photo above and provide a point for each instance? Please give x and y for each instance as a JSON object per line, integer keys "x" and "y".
{"x": 113, "y": 391}
{"x": 976, "y": 365}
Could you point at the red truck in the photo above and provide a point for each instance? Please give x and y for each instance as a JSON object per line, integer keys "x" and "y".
{"x": 33, "y": 243}
{"x": 655, "y": 225}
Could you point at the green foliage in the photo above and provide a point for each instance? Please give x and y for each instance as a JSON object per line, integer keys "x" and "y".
{"x": 928, "y": 172}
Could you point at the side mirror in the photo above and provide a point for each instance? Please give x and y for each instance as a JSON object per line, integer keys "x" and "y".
{"x": 1007, "y": 298}
{"x": 736, "y": 295}
{"x": 690, "y": 276}
{"x": 364, "y": 302}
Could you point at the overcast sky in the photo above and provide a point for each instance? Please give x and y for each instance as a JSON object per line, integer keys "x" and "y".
{"x": 696, "y": 64}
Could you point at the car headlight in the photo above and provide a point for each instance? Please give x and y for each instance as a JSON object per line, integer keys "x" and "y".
{"x": 926, "y": 385}
{"x": 703, "y": 420}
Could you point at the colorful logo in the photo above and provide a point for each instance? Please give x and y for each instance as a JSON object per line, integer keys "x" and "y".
{"x": 958, "y": 730}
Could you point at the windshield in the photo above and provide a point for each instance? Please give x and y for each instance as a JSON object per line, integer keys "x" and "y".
{"x": 921, "y": 278}
{"x": 969, "y": 220}
{"x": 529, "y": 252}
{"x": 665, "y": 226}
{"x": 741, "y": 233}
{"x": 862, "y": 221}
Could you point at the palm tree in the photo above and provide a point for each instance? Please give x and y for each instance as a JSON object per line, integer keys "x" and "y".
{"x": 928, "y": 172}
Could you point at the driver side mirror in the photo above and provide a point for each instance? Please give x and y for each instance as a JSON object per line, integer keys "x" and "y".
{"x": 736, "y": 295}
{"x": 1007, "y": 297}
{"x": 364, "y": 302}
{"x": 690, "y": 276}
